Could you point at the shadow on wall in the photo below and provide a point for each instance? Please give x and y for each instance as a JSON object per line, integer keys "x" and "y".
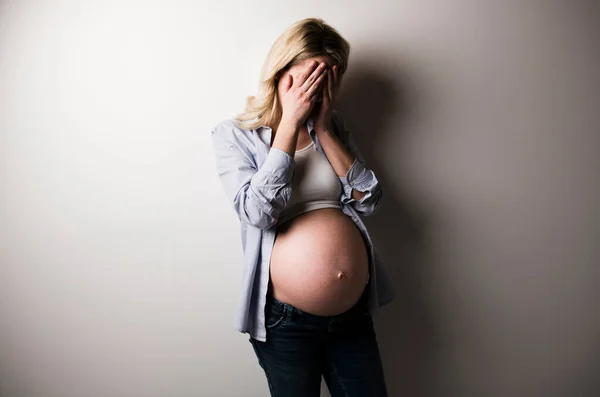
{"x": 377, "y": 101}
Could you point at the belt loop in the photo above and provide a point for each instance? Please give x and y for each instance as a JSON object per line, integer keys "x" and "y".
{"x": 288, "y": 310}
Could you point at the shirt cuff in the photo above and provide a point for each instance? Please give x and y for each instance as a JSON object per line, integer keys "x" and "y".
{"x": 280, "y": 163}
{"x": 359, "y": 177}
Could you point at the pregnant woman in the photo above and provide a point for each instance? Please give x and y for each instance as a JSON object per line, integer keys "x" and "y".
{"x": 299, "y": 184}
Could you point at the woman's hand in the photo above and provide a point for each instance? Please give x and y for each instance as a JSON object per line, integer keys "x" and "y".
{"x": 328, "y": 95}
{"x": 299, "y": 97}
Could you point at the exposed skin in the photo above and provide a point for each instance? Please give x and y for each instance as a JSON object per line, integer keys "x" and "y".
{"x": 333, "y": 277}
{"x": 311, "y": 88}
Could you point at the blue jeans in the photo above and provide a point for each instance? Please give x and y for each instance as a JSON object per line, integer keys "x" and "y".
{"x": 301, "y": 348}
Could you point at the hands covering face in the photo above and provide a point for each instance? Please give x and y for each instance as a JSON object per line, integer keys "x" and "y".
{"x": 328, "y": 95}
{"x": 317, "y": 82}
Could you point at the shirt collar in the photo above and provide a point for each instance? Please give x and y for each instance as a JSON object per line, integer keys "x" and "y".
{"x": 309, "y": 125}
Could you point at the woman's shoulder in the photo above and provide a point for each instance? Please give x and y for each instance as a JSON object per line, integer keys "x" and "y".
{"x": 228, "y": 126}
{"x": 232, "y": 132}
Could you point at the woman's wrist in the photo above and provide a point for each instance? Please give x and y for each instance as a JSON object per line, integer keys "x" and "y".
{"x": 289, "y": 123}
{"x": 324, "y": 128}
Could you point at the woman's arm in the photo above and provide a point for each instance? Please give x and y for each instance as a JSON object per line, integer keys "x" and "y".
{"x": 258, "y": 195}
{"x": 361, "y": 188}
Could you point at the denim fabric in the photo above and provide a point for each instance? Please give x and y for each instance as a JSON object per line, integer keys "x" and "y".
{"x": 301, "y": 348}
{"x": 257, "y": 182}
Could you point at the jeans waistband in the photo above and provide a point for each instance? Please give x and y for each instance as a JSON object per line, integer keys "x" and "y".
{"x": 360, "y": 305}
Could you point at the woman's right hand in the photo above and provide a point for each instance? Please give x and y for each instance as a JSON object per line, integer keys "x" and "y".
{"x": 299, "y": 96}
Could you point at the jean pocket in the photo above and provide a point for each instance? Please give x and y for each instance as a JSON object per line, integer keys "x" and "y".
{"x": 275, "y": 316}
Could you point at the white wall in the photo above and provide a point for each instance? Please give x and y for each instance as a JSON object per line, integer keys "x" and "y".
{"x": 121, "y": 261}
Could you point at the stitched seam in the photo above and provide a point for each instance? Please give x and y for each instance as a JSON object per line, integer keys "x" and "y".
{"x": 288, "y": 313}
{"x": 282, "y": 318}
{"x": 337, "y": 375}
{"x": 264, "y": 366}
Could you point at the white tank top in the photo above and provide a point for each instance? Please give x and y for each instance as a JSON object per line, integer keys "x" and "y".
{"x": 314, "y": 185}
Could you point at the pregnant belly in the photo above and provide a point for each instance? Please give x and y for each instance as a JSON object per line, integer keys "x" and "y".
{"x": 319, "y": 262}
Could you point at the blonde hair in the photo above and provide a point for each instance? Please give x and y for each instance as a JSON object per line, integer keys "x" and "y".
{"x": 305, "y": 39}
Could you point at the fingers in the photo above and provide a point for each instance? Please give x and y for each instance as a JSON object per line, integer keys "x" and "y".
{"x": 288, "y": 82}
{"x": 304, "y": 76}
{"x": 335, "y": 75}
{"x": 315, "y": 73}
{"x": 329, "y": 85}
{"x": 314, "y": 88}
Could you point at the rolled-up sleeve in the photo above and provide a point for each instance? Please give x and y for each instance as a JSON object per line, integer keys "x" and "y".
{"x": 359, "y": 176}
{"x": 258, "y": 195}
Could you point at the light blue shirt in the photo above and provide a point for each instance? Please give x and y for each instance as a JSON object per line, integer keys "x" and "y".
{"x": 257, "y": 180}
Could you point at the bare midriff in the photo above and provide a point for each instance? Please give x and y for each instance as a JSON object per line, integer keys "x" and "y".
{"x": 319, "y": 262}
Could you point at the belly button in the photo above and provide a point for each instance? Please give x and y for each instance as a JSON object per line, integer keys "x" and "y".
{"x": 340, "y": 275}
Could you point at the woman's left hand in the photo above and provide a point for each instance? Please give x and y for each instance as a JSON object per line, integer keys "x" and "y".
{"x": 329, "y": 92}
